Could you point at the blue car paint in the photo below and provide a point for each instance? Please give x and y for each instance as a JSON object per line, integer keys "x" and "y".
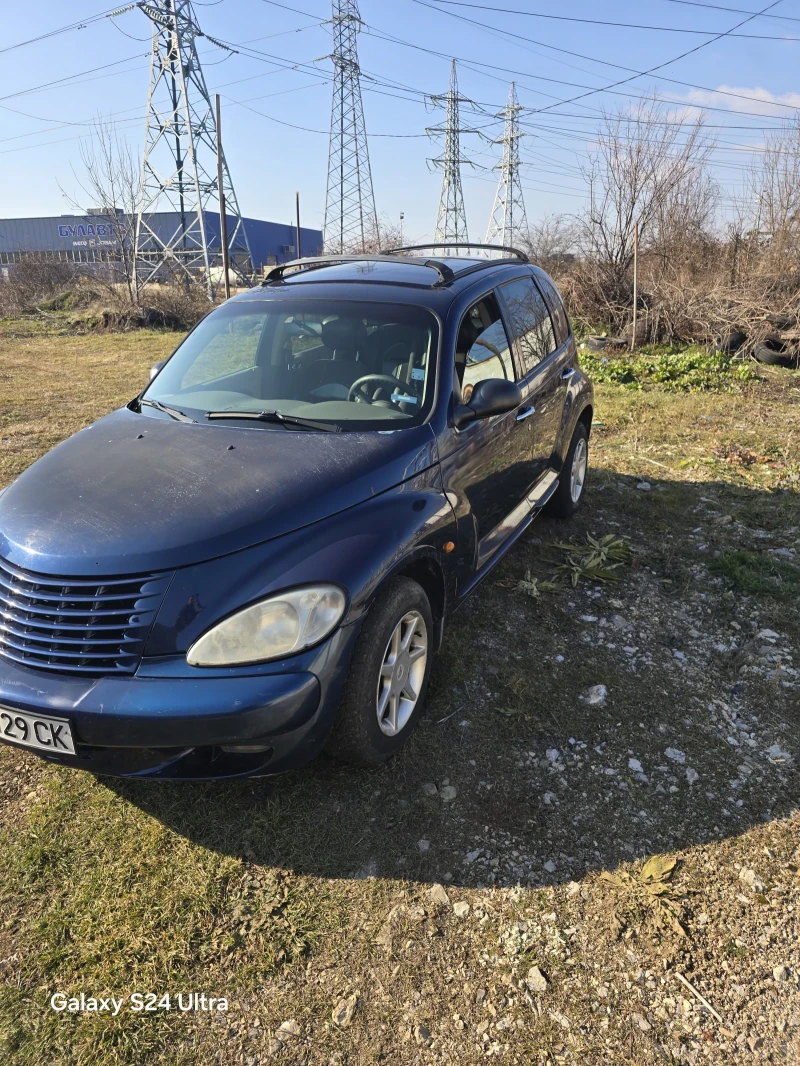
{"x": 235, "y": 514}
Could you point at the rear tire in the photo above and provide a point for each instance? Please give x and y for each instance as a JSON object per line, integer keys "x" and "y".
{"x": 391, "y": 661}
{"x": 567, "y": 498}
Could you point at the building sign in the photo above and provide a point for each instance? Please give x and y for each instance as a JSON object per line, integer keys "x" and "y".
{"x": 89, "y": 234}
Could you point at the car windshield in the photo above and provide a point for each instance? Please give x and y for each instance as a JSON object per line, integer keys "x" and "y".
{"x": 356, "y": 365}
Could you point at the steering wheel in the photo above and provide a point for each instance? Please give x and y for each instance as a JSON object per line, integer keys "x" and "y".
{"x": 358, "y": 395}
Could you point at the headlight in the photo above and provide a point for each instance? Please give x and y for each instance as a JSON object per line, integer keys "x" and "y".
{"x": 282, "y": 625}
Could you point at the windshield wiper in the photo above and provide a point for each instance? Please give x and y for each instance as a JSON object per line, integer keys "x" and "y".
{"x": 277, "y": 416}
{"x": 173, "y": 412}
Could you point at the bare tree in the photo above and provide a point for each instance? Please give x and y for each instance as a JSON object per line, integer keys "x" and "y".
{"x": 645, "y": 161}
{"x": 550, "y": 240}
{"x": 773, "y": 185}
{"x": 111, "y": 179}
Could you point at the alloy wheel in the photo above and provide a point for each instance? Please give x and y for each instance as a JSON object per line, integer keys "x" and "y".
{"x": 578, "y": 473}
{"x": 402, "y": 673}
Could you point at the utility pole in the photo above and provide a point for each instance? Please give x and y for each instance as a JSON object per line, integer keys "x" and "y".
{"x": 508, "y": 223}
{"x": 297, "y": 211}
{"x": 451, "y": 220}
{"x": 223, "y": 218}
{"x": 350, "y": 218}
{"x": 402, "y": 216}
{"x": 180, "y": 151}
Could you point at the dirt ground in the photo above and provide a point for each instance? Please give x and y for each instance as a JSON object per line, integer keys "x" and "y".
{"x": 589, "y": 852}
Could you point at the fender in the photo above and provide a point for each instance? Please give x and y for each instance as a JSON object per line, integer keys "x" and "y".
{"x": 580, "y": 396}
{"x": 358, "y": 549}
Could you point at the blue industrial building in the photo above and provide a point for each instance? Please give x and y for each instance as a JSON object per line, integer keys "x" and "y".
{"x": 95, "y": 237}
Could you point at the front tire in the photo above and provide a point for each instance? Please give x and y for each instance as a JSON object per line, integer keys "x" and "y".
{"x": 572, "y": 483}
{"x": 389, "y": 670}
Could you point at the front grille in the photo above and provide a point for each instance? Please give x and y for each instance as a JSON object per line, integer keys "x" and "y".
{"x": 76, "y": 624}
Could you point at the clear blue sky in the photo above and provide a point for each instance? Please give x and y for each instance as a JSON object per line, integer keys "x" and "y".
{"x": 40, "y": 130}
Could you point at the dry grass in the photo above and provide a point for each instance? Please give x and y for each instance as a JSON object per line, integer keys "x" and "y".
{"x": 293, "y": 896}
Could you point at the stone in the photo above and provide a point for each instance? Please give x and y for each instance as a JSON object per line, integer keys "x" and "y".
{"x": 635, "y": 765}
{"x": 751, "y": 879}
{"x": 642, "y": 1022}
{"x": 422, "y": 1034}
{"x": 675, "y": 755}
{"x": 424, "y": 845}
{"x": 289, "y": 1028}
{"x": 644, "y": 486}
{"x": 781, "y": 973}
{"x": 680, "y": 655}
{"x": 595, "y": 696}
{"x": 618, "y": 621}
{"x": 437, "y": 895}
{"x": 344, "y": 1010}
{"x": 275, "y": 1047}
{"x": 692, "y": 775}
{"x": 550, "y": 866}
{"x": 461, "y": 909}
{"x": 553, "y": 755}
{"x": 448, "y": 793}
{"x": 536, "y": 980}
{"x": 429, "y": 789}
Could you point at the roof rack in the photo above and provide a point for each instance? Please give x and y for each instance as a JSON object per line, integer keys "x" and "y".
{"x": 445, "y": 272}
{"x": 460, "y": 244}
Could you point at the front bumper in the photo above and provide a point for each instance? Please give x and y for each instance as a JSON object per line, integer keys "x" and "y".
{"x": 151, "y": 724}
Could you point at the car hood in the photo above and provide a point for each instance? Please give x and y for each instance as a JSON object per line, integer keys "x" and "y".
{"x": 138, "y": 493}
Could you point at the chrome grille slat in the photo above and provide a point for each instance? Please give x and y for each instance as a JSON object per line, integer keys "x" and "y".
{"x": 78, "y": 625}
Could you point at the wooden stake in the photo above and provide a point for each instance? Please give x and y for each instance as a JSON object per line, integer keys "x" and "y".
{"x": 223, "y": 220}
{"x": 297, "y": 208}
{"x": 635, "y": 280}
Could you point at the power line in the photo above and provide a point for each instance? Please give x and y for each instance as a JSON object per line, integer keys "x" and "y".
{"x": 619, "y": 25}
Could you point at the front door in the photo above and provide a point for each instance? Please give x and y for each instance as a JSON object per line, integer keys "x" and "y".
{"x": 488, "y": 465}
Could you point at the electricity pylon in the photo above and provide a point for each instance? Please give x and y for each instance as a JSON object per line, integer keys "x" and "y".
{"x": 179, "y": 171}
{"x": 350, "y": 218}
{"x": 451, "y": 220}
{"x": 508, "y": 223}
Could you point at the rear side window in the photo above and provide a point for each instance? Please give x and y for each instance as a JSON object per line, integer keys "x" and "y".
{"x": 482, "y": 349}
{"x": 557, "y": 307}
{"x": 530, "y": 321}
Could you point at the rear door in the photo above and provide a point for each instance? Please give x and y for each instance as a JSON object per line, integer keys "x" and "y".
{"x": 544, "y": 361}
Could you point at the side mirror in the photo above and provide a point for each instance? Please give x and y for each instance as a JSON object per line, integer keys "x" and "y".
{"x": 492, "y": 396}
{"x": 155, "y": 368}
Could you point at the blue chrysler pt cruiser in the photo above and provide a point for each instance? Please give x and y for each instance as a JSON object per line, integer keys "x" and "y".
{"x": 255, "y": 558}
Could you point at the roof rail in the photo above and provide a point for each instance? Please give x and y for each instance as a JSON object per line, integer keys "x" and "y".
{"x": 445, "y": 272}
{"x": 460, "y": 244}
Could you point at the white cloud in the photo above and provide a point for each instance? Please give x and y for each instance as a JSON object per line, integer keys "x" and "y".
{"x": 760, "y": 101}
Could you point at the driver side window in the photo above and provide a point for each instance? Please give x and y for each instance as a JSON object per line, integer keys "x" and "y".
{"x": 482, "y": 348}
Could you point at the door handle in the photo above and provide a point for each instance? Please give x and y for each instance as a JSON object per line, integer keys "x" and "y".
{"x": 526, "y": 412}
{"x": 567, "y": 373}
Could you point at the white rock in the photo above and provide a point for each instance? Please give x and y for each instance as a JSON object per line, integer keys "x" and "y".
{"x": 675, "y": 755}
{"x": 424, "y": 845}
{"x": 679, "y": 655}
{"x": 437, "y": 894}
{"x": 344, "y": 1010}
{"x": 692, "y": 775}
{"x": 550, "y": 866}
{"x": 290, "y": 1028}
{"x": 461, "y": 909}
{"x": 595, "y": 696}
{"x": 635, "y": 765}
{"x": 781, "y": 973}
{"x": 559, "y": 658}
{"x": 471, "y": 856}
{"x": 767, "y": 634}
{"x": 553, "y": 755}
{"x": 588, "y": 617}
{"x": 536, "y": 980}
{"x": 448, "y": 793}
{"x": 643, "y": 486}
{"x": 774, "y": 754}
{"x": 549, "y": 799}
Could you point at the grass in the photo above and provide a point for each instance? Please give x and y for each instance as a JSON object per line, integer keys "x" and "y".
{"x": 278, "y": 894}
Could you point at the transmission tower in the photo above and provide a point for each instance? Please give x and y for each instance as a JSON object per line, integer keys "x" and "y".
{"x": 350, "y": 218}
{"x": 451, "y": 221}
{"x": 508, "y": 223}
{"x": 179, "y": 170}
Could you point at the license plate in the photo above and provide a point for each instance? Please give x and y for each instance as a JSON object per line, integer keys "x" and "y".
{"x": 36, "y": 731}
